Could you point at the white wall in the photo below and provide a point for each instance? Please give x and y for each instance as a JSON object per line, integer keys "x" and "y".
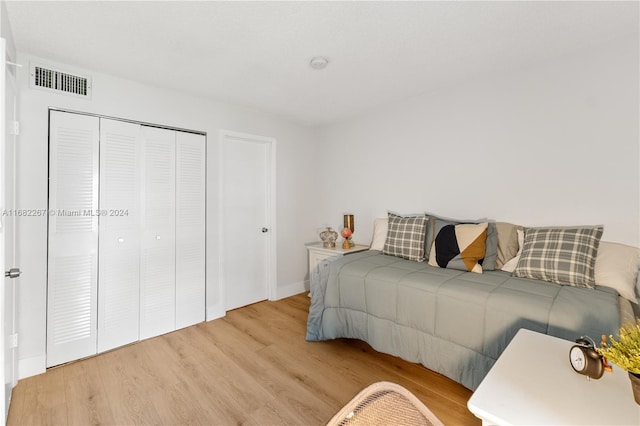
{"x": 6, "y": 33}
{"x": 557, "y": 144}
{"x": 125, "y": 99}
{"x": 552, "y": 145}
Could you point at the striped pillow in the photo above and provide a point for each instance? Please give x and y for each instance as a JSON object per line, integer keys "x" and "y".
{"x": 560, "y": 255}
{"x": 405, "y": 237}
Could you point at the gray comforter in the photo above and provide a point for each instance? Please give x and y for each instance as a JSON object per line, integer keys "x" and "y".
{"x": 456, "y": 323}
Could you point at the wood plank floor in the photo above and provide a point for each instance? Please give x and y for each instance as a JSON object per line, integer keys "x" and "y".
{"x": 251, "y": 367}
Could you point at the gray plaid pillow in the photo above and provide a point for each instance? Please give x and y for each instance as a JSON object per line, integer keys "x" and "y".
{"x": 560, "y": 255}
{"x": 405, "y": 237}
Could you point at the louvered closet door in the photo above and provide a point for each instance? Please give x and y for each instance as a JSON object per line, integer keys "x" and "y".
{"x": 119, "y": 260}
{"x": 157, "y": 274}
{"x": 73, "y": 237}
{"x": 190, "y": 229}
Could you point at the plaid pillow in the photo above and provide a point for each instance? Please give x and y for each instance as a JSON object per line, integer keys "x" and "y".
{"x": 560, "y": 255}
{"x": 405, "y": 237}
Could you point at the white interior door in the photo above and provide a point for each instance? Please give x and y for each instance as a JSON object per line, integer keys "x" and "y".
{"x": 190, "y": 229}
{"x": 119, "y": 247}
{"x": 72, "y": 274}
{"x": 8, "y": 252}
{"x": 157, "y": 269}
{"x": 246, "y": 218}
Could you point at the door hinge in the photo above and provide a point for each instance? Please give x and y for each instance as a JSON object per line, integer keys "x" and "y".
{"x": 13, "y": 341}
{"x": 15, "y": 128}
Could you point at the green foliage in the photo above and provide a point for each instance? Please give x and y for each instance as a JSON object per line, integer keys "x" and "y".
{"x": 625, "y": 352}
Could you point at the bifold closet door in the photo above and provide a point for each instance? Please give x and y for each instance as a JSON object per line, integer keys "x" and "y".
{"x": 73, "y": 237}
{"x": 190, "y": 229}
{"x": 157, "y": 259}
{"x": 119, "y": 248}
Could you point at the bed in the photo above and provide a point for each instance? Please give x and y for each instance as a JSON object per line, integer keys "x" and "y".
{"x": 454, "y": 322}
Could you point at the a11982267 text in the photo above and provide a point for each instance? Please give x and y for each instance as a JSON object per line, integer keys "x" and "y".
{"x": 65, "y": 212}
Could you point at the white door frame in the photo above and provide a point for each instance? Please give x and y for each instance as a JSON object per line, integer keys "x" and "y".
{"x": 8, "y": 294}
{"x": 8, "y": 341}
{"x": 228, "y": 135}
{"x": 3, "y": 124}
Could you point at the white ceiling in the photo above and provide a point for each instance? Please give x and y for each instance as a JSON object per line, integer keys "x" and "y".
{"x": 257, "y": 53}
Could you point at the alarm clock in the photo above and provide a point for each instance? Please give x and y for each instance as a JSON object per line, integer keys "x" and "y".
{"x": 585, "y": 359}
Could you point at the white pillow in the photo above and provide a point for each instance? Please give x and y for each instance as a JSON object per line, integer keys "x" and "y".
{"x": 510, "y": 265}
{"x": 617, "y": 267}
{"x": 380, "y": 227}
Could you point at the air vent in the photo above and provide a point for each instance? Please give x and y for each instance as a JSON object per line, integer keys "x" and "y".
{"x": 60, "y": 81}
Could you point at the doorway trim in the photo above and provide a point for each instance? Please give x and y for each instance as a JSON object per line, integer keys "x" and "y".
{"x": 270, "y": 143}
{"x": 9, "y": 361}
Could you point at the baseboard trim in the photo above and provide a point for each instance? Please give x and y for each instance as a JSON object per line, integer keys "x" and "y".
{"x": 215, "y": 311}
{"x": 218, "y": 311}
{"x": 291, "y": 289}
{"x": 32, "y": 366}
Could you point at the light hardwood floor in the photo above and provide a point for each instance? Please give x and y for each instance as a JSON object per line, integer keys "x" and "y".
{"x": 251, "y": 367}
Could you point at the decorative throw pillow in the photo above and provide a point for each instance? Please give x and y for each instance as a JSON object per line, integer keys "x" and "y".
{"x": 380, "y": 227}
{"x": 508, "y": 245}
{"x": 436, "y": 223}
{"x": 405, "y": 237}
{"x": 617, "y": 267}
{"x": 510, "y": 265}
{"x": 560, "y": 255}
{"x": 491, "y": 252}
{"x": 459, "y": 247}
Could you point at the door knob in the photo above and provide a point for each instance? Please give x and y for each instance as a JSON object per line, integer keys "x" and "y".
{"x": 12, "y": 273}
{"x": 265, "y": 230}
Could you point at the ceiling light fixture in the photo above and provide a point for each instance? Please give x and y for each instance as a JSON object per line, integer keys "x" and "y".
{"x": 319, "y": 62}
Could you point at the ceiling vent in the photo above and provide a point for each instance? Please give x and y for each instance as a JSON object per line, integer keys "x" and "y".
{"x": 54, "y": 80}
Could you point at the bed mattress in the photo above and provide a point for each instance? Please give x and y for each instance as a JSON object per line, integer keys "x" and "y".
{"x": 453, "y": 322}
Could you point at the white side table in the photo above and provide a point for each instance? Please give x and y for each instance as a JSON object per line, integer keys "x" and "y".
{"x": 533, "y": 383}
{"x": 317, "y": 253}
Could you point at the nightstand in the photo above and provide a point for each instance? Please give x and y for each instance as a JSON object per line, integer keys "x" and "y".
{"x": 317, "y": 253}
{"x": 533, "y": 383}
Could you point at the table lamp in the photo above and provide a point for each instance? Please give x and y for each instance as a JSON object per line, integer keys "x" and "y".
{"x": 347, "y": 231}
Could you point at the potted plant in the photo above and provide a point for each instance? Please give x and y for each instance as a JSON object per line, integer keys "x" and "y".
{"x": 625, "y": 353}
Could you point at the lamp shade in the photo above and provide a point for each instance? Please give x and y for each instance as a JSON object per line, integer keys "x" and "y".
{"x": 348, "y": 222}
